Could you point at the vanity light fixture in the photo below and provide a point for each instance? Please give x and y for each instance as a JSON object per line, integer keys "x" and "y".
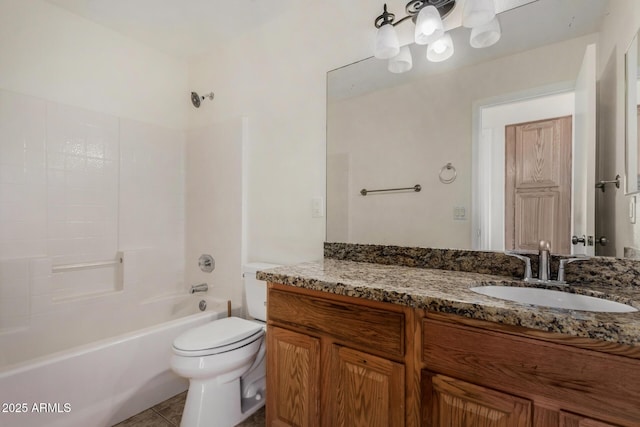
{"x": 387, "y": 44}
{"x": 402, "y": 62}
{"x": 477, "y": 12}
{"x": 429, "y": 26}
{"x": 485, "y": 35}
{"x": 427, "y": 15}
{"x": 441, "y": 49}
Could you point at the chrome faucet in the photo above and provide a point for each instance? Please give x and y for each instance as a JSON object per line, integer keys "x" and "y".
{"x": 202, "y": 287}
{"x": 544, "y": 266}
{"x": 527, "y": 264}
{"x": 563, "y": 263}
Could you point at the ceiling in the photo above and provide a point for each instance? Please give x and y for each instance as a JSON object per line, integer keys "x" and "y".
{"x": 184, "y": 28}
{"x": 181, "y": 28}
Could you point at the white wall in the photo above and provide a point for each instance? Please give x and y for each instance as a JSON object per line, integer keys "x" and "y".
{"x": 276, "y": 77}
{"x": 214, "y": 207}
{"x": 151, "y": 217}
{"x": 50, "y": 53}
{"x": 618, "y": 28}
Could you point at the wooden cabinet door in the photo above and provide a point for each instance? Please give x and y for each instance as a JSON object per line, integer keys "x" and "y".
{"x": 573, "y": 420}
{"x": 449, "y": 402}
{"x": 293, "y": 378}
{"x": 364, "y": 390}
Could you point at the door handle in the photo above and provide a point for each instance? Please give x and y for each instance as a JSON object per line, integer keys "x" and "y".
{"x": 603, "y": 241}
{"x": 575, "y": 240}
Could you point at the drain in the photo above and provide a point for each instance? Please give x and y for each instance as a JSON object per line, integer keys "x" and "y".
{"x": 202, "y": 305}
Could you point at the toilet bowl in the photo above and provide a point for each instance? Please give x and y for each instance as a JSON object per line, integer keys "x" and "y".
{"x": 224, "y": 361}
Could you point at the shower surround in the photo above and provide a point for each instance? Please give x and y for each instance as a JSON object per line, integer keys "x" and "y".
{"x": 91, "y": 208}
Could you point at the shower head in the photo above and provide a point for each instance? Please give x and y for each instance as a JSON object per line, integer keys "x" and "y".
{"x": 197, "y": 99}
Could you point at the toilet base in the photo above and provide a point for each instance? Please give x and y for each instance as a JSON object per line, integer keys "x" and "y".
{"x": 212, "y": 404}
{"x": 224, "y": 388}
{"x": 252, "y": 403}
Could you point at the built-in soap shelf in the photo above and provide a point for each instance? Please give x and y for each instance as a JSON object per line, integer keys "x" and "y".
{"x": 88, "y": 279}
{"x": 87, "y": 265}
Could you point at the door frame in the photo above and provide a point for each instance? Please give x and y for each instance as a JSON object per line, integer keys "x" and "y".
{"x": 480, "y": 193}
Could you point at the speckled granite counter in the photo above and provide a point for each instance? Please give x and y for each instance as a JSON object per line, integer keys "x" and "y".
{"x": 613, "y": 271}
{"x": 448, "y": 292}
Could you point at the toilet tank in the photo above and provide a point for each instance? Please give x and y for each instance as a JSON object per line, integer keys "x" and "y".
{"x": 256, "y": 290}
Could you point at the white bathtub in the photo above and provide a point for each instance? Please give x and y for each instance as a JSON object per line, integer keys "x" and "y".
{"x": 105, "y": 382}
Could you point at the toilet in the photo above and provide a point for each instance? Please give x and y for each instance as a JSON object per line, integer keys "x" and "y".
{"x": 224, "y": 361}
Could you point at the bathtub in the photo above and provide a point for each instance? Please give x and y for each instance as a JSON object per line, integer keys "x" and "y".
{"x": 107, "y": 381}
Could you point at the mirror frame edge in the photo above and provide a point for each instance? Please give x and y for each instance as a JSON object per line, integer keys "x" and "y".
{"x": 630, "y": 186}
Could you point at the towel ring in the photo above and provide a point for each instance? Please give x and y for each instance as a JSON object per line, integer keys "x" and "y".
{"x": 445, "y": 170}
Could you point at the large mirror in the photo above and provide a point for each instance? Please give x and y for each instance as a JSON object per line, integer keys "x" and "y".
{"x": 632, "y": 110}
{"x": 449, "y": 127}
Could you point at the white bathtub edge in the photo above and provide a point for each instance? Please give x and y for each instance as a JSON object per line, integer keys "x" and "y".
{"x": 104, "y": 382}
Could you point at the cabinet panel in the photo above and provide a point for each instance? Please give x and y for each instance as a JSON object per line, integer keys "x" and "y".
{"x": 545, "y": 417}
{"x": 356, "y": 325}
{"x": 365, "y": 390}
{"x": 595, "y": 384}
{"x": 293, "y": 378}
{"x": 573, "y": 420}
{"x": 450, "y": 402}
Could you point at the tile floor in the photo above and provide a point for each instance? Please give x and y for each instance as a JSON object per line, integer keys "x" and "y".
{"x": 168, "y": 413}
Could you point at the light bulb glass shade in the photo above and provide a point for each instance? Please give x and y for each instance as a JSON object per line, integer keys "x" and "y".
{"x": 485, "y": 35}
{"x": 387, "y": 44}
{"x": 429, "y": 25}
{"x": 402, "y": 62}
{"x": 441, "y": 49}
{"x": 477, "y": 12}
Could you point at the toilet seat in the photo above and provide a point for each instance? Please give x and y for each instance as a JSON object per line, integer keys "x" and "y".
{"x": 218, "y": 336}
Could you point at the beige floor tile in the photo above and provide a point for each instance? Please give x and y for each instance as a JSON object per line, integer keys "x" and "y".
{"x": 171, "y": 409}
{"x": 255, "y": 420}
{"x": 146, "y": 418}
{"x": 169, "y": 412}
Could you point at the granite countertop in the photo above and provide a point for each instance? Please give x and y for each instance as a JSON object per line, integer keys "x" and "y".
{"x": 448, "y": 292}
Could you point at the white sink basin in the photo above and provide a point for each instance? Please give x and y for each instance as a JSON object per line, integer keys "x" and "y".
{"x": 555, "y": 299}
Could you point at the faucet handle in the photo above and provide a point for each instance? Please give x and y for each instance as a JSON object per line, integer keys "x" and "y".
{"x": 563, "y": 263}
{"x": 527, "y": 264}
{"x": 544, "y": 266}
{"x": 544, "y": 245}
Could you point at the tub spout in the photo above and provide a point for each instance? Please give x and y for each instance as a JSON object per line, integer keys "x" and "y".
{"x": 202, "y": 287}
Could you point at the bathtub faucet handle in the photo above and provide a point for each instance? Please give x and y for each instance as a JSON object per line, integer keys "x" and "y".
{"x": 202, "y": 287}
{"x": 206, "y": 263}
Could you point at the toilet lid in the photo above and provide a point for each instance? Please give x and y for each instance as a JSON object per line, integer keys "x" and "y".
{"x": 218, "y": 333}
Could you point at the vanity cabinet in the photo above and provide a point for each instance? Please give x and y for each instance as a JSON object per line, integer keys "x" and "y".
{"x": 364, "y": 390}
{"x": 496, "y": 378}
{"x": 572, "y": 420}
{"x": 293, "y": 363}
{"x": 343, "y": 361}
{"x": 334, "y": 363}
{"x": 451, "y": 402}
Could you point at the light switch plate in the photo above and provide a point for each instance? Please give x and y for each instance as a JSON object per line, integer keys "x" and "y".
{"x": 459, "y": 213}
{"x": 317, "y": 207}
